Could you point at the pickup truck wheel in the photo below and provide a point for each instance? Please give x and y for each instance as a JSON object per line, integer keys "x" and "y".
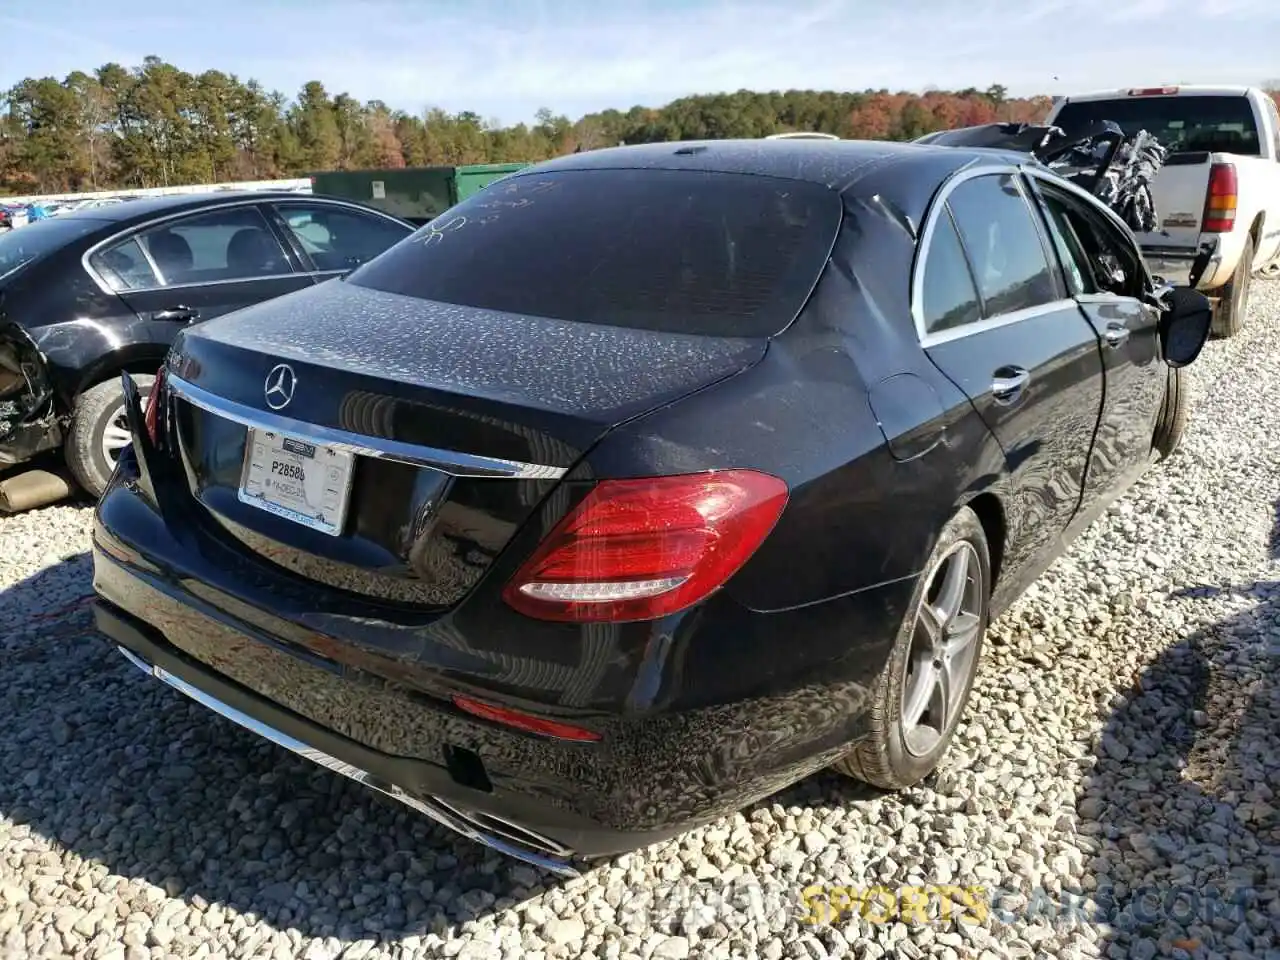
{"x": 99, "y": 431}
{"x": 1172, "y": 423}
{"x": 1228, "y": 315}
{"x": 919, "y": 698}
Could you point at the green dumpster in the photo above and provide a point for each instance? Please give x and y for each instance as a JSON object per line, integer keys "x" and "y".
{"x": 416, "y": 194}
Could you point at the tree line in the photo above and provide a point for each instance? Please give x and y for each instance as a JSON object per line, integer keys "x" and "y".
{"x": 157, "y": 125}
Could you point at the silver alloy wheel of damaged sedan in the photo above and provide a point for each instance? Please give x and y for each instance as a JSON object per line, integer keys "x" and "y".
{"x": 943, "y": 650}
{"x": 99, "y": 431}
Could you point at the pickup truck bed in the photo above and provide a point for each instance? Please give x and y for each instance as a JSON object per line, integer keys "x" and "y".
{"x": 1217, "y": 196}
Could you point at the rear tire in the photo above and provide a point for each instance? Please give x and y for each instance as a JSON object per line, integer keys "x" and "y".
{"x": 99, "y": 431}
{"x": 1172, "y": 423}
{"x": 1233, "y": 303}
{"x": 898, "y": 752}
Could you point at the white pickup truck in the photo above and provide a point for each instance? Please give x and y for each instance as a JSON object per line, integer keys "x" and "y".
{"x": 1217, "y": 196}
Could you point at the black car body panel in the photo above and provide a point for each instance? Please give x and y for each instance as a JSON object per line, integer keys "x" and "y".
{"x": 880, "y": 434}
{"x": 87, "y": 332}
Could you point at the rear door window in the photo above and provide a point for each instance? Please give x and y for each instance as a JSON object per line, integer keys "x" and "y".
{"x": 225, "y": 245}
{"x": 1002, "y": 240}
{"x": 1216, "y": 124}
{"x": 671, "y": 250}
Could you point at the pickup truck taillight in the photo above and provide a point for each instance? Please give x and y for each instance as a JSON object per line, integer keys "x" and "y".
{"x": 1220, "y": 203}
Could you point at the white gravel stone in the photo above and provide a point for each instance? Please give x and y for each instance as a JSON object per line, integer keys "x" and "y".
{"x": 1123, "y": 736}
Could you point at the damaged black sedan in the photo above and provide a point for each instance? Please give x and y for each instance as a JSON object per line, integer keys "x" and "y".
{"x": 660, "y": 477}
{"x": 91, "y": 293}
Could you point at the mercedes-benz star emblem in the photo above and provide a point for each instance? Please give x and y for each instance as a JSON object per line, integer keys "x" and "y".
{"x": 281, "y": 382}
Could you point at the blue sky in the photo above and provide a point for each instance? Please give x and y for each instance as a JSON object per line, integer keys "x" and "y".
{"x": 504, "y": 60}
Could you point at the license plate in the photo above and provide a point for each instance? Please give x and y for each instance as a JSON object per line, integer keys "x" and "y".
{"x": 297, "y": 479}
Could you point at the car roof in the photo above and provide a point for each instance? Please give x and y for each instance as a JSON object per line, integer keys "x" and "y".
{"x": 832, "y": 163}
{"x": 144, "y": 207}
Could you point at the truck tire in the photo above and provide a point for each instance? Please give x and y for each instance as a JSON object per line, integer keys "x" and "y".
{"x": 1172, "y": 422}
{"x": 1228, "y": 314}
{"x": 94, "y": 441}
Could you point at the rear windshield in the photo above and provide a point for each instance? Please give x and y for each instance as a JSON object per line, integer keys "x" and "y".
{"x": 1183, "y": 124}
{"x": 670, "y": 250}
{"x": 35, "y": 240}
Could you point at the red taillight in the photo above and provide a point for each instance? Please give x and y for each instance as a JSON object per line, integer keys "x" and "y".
{"x": 641, "y": 549}
{"x": 518, "y": 720}
{"x": 1153, "y": 92}
{"x": 154, "y": 401}
{"x": 1220, "y": 203}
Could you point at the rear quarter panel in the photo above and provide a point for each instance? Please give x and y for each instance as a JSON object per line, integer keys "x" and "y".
{"x": 877, "y": 447}
{"x": 86, "y": 334}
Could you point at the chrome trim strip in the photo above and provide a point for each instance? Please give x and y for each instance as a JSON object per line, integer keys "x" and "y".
{"x": 446, "y": 461}
{"x": 442, "y": 813}
{"x": 994, "y": 323}
{"x": 197, "y": 211}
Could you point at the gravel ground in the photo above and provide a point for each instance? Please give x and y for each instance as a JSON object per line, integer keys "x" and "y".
{"x": 1121, "y": 760}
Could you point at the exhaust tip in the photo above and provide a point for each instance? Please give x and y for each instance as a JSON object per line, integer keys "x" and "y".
{"x": 509, "y": 839}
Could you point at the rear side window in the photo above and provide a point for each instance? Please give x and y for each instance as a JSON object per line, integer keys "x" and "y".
{"x": 1003, "y": 243}
{"x": 949, "y": 299}
{"x": 668, "y": 250}
{"x": 234, "y": 243}
{"x": 1214, "y": 124}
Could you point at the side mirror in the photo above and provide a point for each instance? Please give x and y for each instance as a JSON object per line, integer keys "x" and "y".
{"x": 1184, "y": 327}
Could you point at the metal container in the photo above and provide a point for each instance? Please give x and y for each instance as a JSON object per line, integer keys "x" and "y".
{"x": 416, "y": 194}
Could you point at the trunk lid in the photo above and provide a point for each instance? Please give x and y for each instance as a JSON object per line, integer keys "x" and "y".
{"x": 475, "y": 415}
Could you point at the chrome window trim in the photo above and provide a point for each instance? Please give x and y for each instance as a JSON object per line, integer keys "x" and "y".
{"x": 995, "y": 323}
{"x": 938, "y": 209}
{"x": 212, "y": 208}
{"x": 451, "y": 462}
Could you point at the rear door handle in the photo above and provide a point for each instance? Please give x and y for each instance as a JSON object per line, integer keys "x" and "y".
{"x": 178, "y": 314}
{"x": 1008, "y": 383}
{"x": 1115, "y": 334}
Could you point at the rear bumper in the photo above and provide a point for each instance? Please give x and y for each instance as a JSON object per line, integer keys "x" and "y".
{"x": 410, "y": 783}
{"x": 697, "y": 720}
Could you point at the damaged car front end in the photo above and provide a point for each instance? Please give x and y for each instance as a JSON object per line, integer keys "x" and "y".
{"x": 29, "y": 422}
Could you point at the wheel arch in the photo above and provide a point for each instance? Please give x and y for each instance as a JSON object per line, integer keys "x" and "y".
{"x": 134, "y": 359}
{"x": 991, "y": 515}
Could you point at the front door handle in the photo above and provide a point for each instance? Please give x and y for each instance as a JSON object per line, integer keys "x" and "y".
{"x": 1115, "y": 334}
{"x": 1008, "y": 383}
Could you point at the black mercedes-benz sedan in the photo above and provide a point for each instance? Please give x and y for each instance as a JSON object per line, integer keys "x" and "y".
{"x": 645, "y": 482}
{"x": 88, "y": 294}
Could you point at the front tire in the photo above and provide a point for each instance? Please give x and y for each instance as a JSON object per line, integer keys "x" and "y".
{"x": 919, "y": 698}
{"x": 1172, "y": 423}
{"x": 99, "y": 431}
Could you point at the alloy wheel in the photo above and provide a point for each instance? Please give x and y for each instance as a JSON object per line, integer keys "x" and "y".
{"x": 944, "y": 644}
{"x": 116, "y": 436}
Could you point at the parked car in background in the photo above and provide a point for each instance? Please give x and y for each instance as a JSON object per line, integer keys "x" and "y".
{"x": 660, "y": 477}
{"x": 90, "y": 293}
{"x": 1218, "y": 193}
